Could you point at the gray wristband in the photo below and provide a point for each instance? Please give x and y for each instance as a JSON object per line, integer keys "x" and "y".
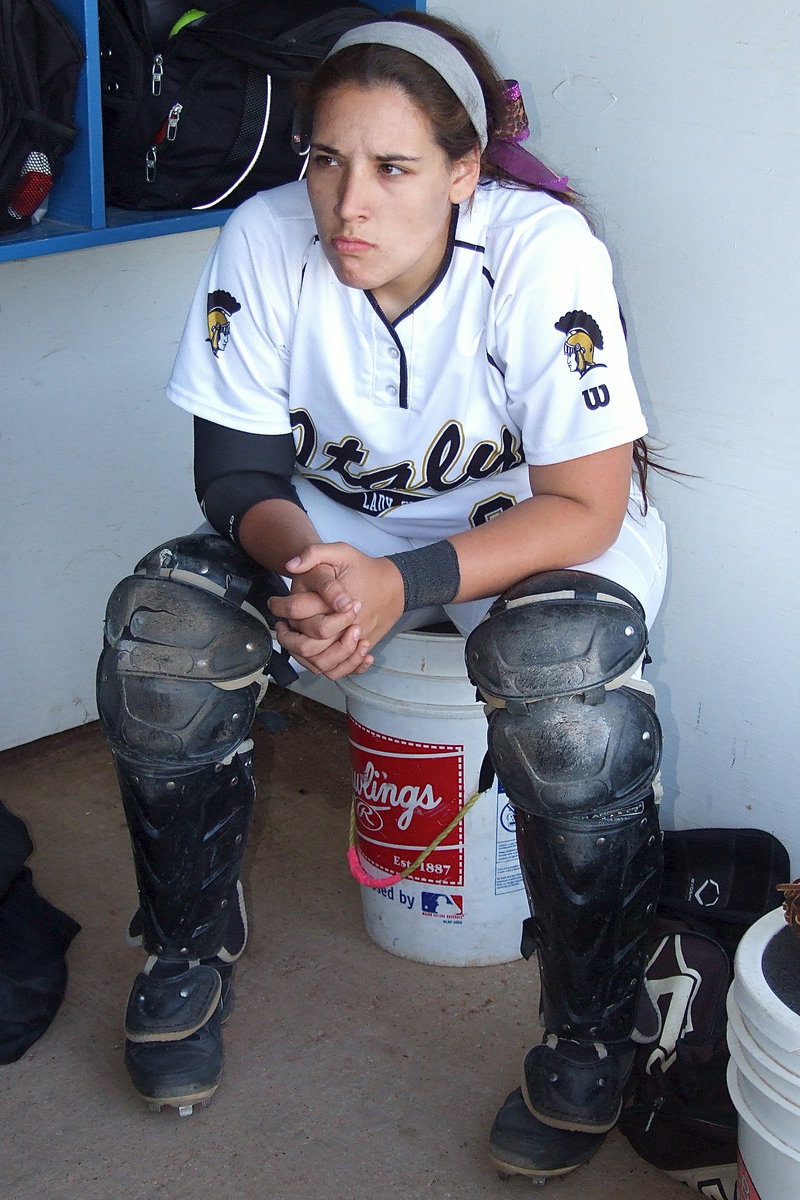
{"x": 430, "y": 575}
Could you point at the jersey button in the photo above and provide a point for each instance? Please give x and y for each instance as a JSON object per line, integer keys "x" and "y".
{"x": 392, "y": 390}
{"x": 394, "y": 352}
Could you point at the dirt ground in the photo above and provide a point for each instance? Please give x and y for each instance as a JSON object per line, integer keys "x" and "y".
{"x": 350, "y": 1073}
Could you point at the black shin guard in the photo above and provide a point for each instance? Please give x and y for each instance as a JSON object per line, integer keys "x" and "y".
{"x": 574, "y": 740}
{"x": 593, "y": 883}
{"x": 185, "y": 664}
{"x": 593, "y": 886}
{"x": 188, "y": 834}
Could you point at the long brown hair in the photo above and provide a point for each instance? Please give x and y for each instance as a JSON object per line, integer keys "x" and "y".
{"x": 375, "y": 65}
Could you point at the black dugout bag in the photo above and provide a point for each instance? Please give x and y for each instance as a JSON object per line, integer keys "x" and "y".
{"x": 199, "y": 115}
{"x": 40, "y": 61}
{"x": 34, "y": 937}
{"x": 679, "y": 1116}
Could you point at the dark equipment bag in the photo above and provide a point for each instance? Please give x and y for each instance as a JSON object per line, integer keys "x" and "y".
{"x": 202, "y": 117}
{"x": 34, "y": 938}
{"x": 679, "y": 1116}
{"x": 40, "y": 61}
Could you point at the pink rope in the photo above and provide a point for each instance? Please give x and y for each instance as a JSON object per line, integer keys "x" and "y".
{"x": 361, "y": 876}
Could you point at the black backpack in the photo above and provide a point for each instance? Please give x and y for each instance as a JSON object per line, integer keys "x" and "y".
{"x": 202, "y": 117}
{"x": 679, "y": 1116}
{"x": 34, "y": 937}
{"x": 40, "y": 61}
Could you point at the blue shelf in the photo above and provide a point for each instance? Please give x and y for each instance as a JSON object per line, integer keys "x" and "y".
{"x": 77, "y": 216}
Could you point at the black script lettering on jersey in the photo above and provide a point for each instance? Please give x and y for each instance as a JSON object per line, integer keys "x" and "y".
{"x": 486, "y": 458}
{"x": 398, "y": 483}
{"x": 305, "y": 436}
{"x": 394, "y": 478}
{"x": 342, "y": 454}
{"x": 596, "y": 397}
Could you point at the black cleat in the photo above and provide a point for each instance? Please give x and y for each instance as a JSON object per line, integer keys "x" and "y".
{"x": 519, "y": 1144}
{"x": 178, "y": 1074}
{"x": 174, "y": 1052}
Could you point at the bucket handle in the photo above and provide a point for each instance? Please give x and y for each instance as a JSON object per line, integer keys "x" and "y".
{"x": 361, "y": 876}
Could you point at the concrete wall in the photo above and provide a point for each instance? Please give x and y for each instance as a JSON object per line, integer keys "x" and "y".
{"x": 95, "y": 466}
{"x": 679, "y": 124}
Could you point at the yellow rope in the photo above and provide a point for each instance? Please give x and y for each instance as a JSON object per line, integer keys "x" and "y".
{"x": 429, "y": 849}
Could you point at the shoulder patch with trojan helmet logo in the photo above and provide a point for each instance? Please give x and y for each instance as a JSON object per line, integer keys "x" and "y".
{"x": 221, "y": 307}
{"x": 583, "y": 339}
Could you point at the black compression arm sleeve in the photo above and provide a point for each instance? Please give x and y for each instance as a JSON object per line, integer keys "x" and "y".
{"x": 233, "y": 471}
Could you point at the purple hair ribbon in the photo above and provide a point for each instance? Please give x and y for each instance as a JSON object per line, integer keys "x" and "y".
{"x": 504, "y": 150}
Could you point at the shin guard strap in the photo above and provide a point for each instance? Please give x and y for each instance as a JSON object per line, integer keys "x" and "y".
{"x": 170, "y": 1009}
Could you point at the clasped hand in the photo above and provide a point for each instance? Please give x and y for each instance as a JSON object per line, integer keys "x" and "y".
{"x": 341, "y": 603}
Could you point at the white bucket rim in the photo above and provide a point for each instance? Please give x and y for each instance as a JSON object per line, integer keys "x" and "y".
{"x": 417, "y": 634}
{"x": 755, "y": 998}
{"x": 444, "y": 712}
{"x": 737, "y": 1023}
{"x": 749, "y": 1117}
{"x": 444, "y": 651}
{"x": 766, "y": 1087}
{"x": 445, "y": 669}
{"x": 783, "y": 1109}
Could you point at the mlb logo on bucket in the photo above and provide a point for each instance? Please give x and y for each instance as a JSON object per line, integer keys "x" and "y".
{"x": 405, "y": 793}
{"x": 443, "y": 904}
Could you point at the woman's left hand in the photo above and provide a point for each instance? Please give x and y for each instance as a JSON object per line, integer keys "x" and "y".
{"x": 377, "y": 589}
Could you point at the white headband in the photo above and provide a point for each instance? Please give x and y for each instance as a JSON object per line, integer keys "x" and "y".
{"x": 434, "y": 50}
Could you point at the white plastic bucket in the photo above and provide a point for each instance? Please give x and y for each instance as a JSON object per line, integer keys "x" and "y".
{"x": 417, "y": 741}
{"x": 764, "y": 1072}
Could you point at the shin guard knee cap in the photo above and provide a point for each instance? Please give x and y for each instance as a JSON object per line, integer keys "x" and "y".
{"x": 556, "y": 634}
{"x": 186, "y": 654}
{"x": 551, "y": 659}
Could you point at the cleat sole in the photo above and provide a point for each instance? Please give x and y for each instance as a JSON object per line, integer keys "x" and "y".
{"x": 536, "y": 1180}
{"x": 184, "y": 1104}
{"x": 508, "y": 1171}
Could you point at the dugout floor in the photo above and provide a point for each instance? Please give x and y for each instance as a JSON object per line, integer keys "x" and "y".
{"x": 351, "y": 1074}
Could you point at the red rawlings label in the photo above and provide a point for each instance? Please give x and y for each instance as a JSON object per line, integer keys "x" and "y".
{"x": 405, "y": 794}
{"x": 745, "y": 1188}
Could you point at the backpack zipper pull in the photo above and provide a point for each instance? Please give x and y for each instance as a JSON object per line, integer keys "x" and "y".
{"x": 172, "y": 121}
{"x": 151, "y": 158}
{"x": 157, "y": 74}
{"x": 657, "y": 1103}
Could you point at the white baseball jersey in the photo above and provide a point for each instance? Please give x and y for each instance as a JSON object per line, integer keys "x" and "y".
{"x": 515, "y": 355}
